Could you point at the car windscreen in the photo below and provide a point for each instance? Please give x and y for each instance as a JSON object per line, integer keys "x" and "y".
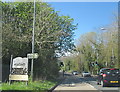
{"x": 104, "y": 71}
{"x": 85, "y": 72}
{"x": 115, "y": 71}
{"x": 74, "y": 71}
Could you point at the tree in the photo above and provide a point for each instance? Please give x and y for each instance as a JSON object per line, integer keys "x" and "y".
{"x": 53, "y": 35}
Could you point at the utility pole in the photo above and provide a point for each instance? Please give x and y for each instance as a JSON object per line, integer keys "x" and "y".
{"x": 33, "y": 39}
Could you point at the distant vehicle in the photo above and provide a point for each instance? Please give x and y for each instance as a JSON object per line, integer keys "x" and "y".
{"x": 86, "y": 74}
{"x": 75, "y": 72}
{"x": 109, "y": 76}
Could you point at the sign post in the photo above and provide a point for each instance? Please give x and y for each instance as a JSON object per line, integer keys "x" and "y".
{"x": 32, "y": 56}
{"x": 19, "y": 69}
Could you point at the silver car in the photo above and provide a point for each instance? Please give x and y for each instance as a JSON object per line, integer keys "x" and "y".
{"x": 75, "y": 72}
{"x": 86, "y": 74}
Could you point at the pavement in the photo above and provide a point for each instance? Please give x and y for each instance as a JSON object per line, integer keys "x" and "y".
{"x": 60, "y": 79}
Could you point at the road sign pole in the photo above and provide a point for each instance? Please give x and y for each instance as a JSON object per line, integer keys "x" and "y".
{"x": 11, "y": 63}
{"x": 33, "y": 41}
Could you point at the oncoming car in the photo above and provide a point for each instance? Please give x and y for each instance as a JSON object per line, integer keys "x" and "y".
{"x": 109, "y": 76}
{"x": 86, "y": 74}
{"x": 75, "y": 72}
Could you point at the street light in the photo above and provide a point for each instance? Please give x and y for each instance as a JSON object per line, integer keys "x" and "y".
{"x": 102, "y": 39}
{"x": 97, "y": 54}
{"x": 33, "y": 39}
{"x": 112, "y": 47}
{"x": 103, "y": 29}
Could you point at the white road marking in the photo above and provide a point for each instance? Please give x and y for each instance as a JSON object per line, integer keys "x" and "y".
{"x": 73, "y": 84}
{"x": 91, "y": 86}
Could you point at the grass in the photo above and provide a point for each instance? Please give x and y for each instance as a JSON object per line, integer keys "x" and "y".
{"x": 36, "y": 85}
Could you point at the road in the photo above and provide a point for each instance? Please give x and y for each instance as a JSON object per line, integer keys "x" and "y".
{"x": 92, "y": 81}
{"x": 80, "y": 84}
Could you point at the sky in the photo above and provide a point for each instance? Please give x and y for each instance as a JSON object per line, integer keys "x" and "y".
{"x": 89, "y": 15}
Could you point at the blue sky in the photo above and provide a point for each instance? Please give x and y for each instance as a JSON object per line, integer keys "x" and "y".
{"x": 89, "y": 15}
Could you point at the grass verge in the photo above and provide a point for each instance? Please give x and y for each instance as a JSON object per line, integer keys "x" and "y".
{"x": 36, "y": 85}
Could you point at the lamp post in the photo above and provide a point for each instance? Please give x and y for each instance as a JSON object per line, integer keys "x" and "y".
{"x": 112, "y": 52}
{"x": 33, "y": 39}
{"x": 81, "y": 58}
{"x": 102, "y": 41}
{"x": 97, "y": 54}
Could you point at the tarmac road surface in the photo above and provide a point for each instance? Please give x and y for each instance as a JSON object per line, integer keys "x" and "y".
{"x": 76, "y": 83}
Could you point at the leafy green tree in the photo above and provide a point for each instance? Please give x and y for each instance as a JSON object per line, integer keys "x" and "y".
{"x": 53, "y": 35}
